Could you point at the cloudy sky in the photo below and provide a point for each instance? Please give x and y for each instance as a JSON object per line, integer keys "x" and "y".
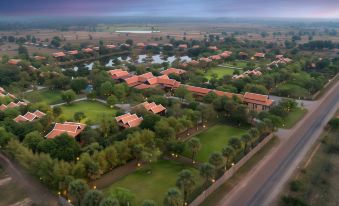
{"x": 170, "y": 8}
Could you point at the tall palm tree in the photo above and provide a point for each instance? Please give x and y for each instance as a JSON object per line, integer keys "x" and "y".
{"x": 173, "y": 197}
{"x": 148, "y": 203}
{"x": 228, "y": 153}
{"x": 207, "y": 172}
{"x": 254, "y": 133}
{"x": 217, "y": 160}
{"x": 245, "y": 138}
{"x": 92, "y": 198}
{"x": 110, "y": 201}
{"x": 186, "y": 182}
{"x": 194, "y": 146}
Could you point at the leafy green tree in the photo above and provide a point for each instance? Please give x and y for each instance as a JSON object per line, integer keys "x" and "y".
{"x": 228, "y": 153}
{"x": 235, "y": 142}
{"x": 23, "y": 52}
{"x": 66, "y": 148}
{"x": 57, "y": 111}
{"x": 78, "y": 85}
{"x": 119, "y": 90}
{"x": 68, "y": 96}
{"x": 111, "y": 157}
{"x": 148, "y": 203}
{"x": 78, "y": 116}
{"x": 5, "y": 137}
{"x": 92, "y": 168}
{"x": 109, "y": 201}
{"x": 246, "y": 139}
{"x": 112, "y": 100}
{"x": 194, "y": 146}
{"x": 77, "y": 189}
{"x": 124, "y": 196}
{"x": 181, "y": 92}
{"x": 32, "y": 140}
{"x": 217, "y": 160}
{"x": 173, "y": 197}
{"x": 207, "y": 171}
{"x": 149, "y": 121}
{"x": 92, "y": 198}
{"x": 106, "y": 88}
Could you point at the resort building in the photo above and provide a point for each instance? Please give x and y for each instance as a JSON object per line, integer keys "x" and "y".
{"x": 73, "y": 129}
{"x": 128, "y": 120}
{"x": 257, "y": 102}
{"x": 173, "y": 71}
{"x": 29, "y": 116}
{"x": 152, "y": 107}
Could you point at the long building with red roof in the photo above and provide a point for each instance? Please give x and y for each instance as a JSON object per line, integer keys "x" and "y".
{"x": 257, "y": 102}
{"x": 73, "y": 129}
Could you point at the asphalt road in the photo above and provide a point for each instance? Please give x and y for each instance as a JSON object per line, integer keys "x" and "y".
{"x": 262, "y": 185}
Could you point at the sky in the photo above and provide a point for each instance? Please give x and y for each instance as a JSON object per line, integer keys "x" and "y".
{"x": 173, "y": 8}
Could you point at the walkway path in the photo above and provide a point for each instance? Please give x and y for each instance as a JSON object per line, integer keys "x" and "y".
{"x": 36, "y": 191}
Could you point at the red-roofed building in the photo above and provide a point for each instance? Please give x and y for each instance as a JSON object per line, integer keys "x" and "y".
{"x": 153, "y": 44}
{"x": 111, "y": 46}
{"x": 203, "y": 59}
{"x": 128, "y": 120}
{"x": 73, "y": 52}
{"x": 87, "y": 50}
{"x": 3, "y": 107}
{"x": 20, "y": 103}
{"x": 215, "y": 57}
{"x": 193, "y": 62}
{"x": 2, "y": 90}
{"x": 39, "y": 58}
{"x": 28, "y": 117}
{"x": 12, "y": 105}
{"x": 259, "y": 55}
{"x": 59, "y": 54}
{"x": 226, "y": 54}
{"x": 199, "y": 91}
{"x": 140, "y": 45}
{"x": 118, "y": 73}
{"x": 196, "y": 46}
{"x": 173, "y": 71}
{"x": 14, "y": 61}
{"x": 152, "y": 107}
{"x": 73, "y": 129}
{"x": 182, "y": 46}
{"x": 213, "y": 48}
{"x": 257, "y": 102}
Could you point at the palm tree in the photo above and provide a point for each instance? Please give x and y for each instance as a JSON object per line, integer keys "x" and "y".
{"x": 173, "y": 198}
{"x": 92, "y": 198}
{"x": 186, "y": 182}
{"x": 77, "y": 189}
{"x": 194, "y": 146}
{"x": 217, "y": 160}
{"x": 228, "y": 153}
{"x": 235, "y": 143}
{"x": 254, "y": 133}
{"x": 246, "y": 138}
{"x": 110, "y": 201}
{"x": 207, "y": 172}
{"x": 148, "y": 203}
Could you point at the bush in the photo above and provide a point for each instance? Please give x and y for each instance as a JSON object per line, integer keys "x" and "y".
{"x": 295, "y": 185}
{"x": 293, "y": 201}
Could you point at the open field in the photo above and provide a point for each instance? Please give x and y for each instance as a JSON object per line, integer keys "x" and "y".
{"x": 214, "y": 139}
{"x": 153, "y": 184}
{"x": 92, "y": 109}
{"x": 293, "y": 118}
{"x": 44, "y": 96}
{"x": 10, "y": 192}
{"x": 219, "y": 71}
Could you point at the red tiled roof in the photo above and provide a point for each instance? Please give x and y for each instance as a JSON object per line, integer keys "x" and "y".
{"x": 3, "y": 107}
{"x": 20, "y": 103}
{"x": 153, "y": 44}
{"x": 74, "y": 52}
{"x": 183, "y": 46}
{"x": 39, "y": 113}
{"x": 118, "y": 73}
{"x": 59, "y": 54}
{"x": 215, "y": 57}
{"x": 140, "y": 44}
{"x": 11, "y": 96}
{"x": 259, "y": 54}
{"x": 128, "y": 120}
{"x": 227, "y": 94}
{"x": 14, "y": 61}
{"x": 39, "y": 58}
{"x": 132, "y": 81}
{"x": 198, "y": 90}
{"x": 214, "y": 48}
{"x": 145, "y": 76}
{"x": 144, "y": 86}
{"x": 196, "y": 46}
{"x": 87, "y": 50}
{"x": 111, "y": 46}
{"x": 257, "y": 99}
{"x": 12, "y": 105}
{"x": 173, "y": 71}
{"x": 2, "y": 90}
{"x": 205, "y": 59}
{"x": 134, "y": 122}
{"x": 73, "y": 129}
{"x": 152, "y": 107}
{"x": 20, "y": 118}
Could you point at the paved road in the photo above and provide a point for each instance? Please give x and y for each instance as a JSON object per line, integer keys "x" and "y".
{"x": 38, "y": 193}
{"x": 262, "y": 185}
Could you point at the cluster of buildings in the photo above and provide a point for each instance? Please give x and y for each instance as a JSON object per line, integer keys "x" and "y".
{"x": 85, "y": 50}
{"x": 29, "y": 116}
{"x": 254, "y": 72}
{"x": 280, "y": 59}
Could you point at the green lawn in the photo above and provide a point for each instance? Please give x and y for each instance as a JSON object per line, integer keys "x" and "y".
{"x": 219, "y": 71}
{"x": 154, "y": 184}
{"x": 214, "y": 139}
{"x": 44, "y": 96}
{"x": 92, "y": 109}
{"x": 293, "y": 118}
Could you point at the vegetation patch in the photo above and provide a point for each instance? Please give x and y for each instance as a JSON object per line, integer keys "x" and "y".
{"x": 44, "y": 96}
{"x": 293, "y": 117}
{"x": 219, "y": 72}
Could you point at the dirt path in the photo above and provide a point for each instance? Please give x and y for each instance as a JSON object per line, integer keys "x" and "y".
{"x": 38, "y": 193}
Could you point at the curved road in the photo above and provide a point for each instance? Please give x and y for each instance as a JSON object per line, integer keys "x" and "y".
{"x": 263, "y": 183}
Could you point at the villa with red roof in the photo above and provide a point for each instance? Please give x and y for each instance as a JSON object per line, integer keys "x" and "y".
{"x": 118, "y": 73}
{"x": 152, "y": 107}
{"x": 29, "y": 116}
{"x": 14, "y": 61}
{"x": 111, "y": 46}
{"x": 215, "y": 57}
{"x": 140, "y": 45}
{"x": 87, "y": 50}
{"x": 201, "y": 92}
{"x": 259, "y": 55}
{"x": 173, "y": 71}
{"x": 205, "y": 59}
{"x": 39, "y": 58}
{"x": 73, "y": 129}
{"x": 183, "y": 46}
{"x": 3, "y": 107}
{"x": 2, "y": 90}
{"x": 59, "y": 54}
{"x": 148, "y": 80}
{"x": 257, "y": 102}
{"x": 128, "y": 120}
{"x": 213, "y": 48}
{"x": 73, "y": 52}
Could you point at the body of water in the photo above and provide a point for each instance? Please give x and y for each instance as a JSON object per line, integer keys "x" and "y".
{"x": 138, "y": 32}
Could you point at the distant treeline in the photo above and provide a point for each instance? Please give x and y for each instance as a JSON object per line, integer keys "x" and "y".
{"x": 313, "y": 45}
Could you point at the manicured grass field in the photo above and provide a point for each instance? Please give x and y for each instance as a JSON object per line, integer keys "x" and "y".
{"x": 152, "y": 184}
{"x": 219, "y": 71}
{"x": 44, "y": 96}
{"x": 214, "y": 139}
{"x": 92, "y": 109}
{"x": 294, "y": 117}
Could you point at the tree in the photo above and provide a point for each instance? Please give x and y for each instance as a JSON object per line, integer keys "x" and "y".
{"x": 66, "y": 148}
{"x": 92, "y": 198}
{"x": 78, "y": 116}
{"x": 78, "y": 85}
{"x": 77, "y": 189}
{"x": 173, "y": 198}
{"x": 186, "y": 182}
{"x": 181, "y": 92}
{"x": 5, "y": 137}
{"x": 110, "y": 201}
{"x": 207, "y": 172}
{"x": 217, "y": 160}
{"x": 245, "y": 138}
{"x": 106, "y": 88}
{"x": 32, "y": 140}
{"x": 124, "y": 196}
{"x": 148, "y": 203}
{"x": 111, "y": 157}
{"x": 57, "y": 111}
{"x": 194, "y": 146}
{"x": 119, "y": 90}
{"x": 112, "y": 100}
{"x": 228, "y": 153}
{"x": 68, "y": 96}
{"x": 23, "y": 52}
{"x": 235, "y": 143}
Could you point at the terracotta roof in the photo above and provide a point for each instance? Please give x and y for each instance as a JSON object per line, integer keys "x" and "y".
{"x": 2, "y": 90}
{"x": 214, "y": 48}
{"x": 198, "y": 90}
{"x": 196, "y": 46}
{"x": 144, "y": 86}
{"x": 39, "y": 58}
{"x": 193, "y": 62}
{"x": 182, "y": 46}
{"x": 153, "y": 44}
{"x": 257, "y": 99}
{"x": 128, "y": 120}
{"x": 87, "y": 50}
{"x": 111, "y": 46}
{"x": 227, "y": 94}
{"x": 173, "y": 71}
{"x": 132, "y": 81}
{"x": 3, "y": 107}
{"x": 11, "y": 96}
{"x": 152, "y": 107}
{"x": 20, "y": 103}
{"x": 215, "y": 57}
{"x": 14, "y": 61}
{"x": 226, "y": 54}
{"x": 20, "y": 118}
{"x": 12, "y": 105}
{"x": 73, "y": 129}
{"x": 259, "y": 54}
{"x": 145, "y": 76}
{"x": 74, "y": 52}
{"x": 118, "y": 73}
{"x": 96, "y": 48}
{"x": 59, "y": 54}
{"x": 205, "y": 59}
{"x": 140, "y": 44}
{"x": 39, "y": 113}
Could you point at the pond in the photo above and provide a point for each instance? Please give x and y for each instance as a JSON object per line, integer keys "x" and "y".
{"x": 138, "y": 32}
